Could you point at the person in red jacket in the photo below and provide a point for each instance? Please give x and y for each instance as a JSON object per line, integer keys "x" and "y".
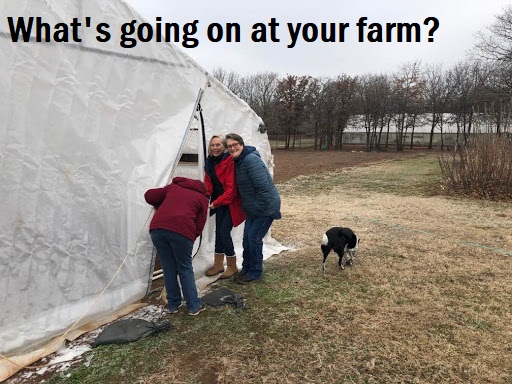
{"x": 225, "y": 203}
{"x": 181, "y": 210}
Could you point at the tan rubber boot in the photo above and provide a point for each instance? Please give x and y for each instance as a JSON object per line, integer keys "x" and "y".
{"x": 231, "y": 270}
{"x": 218, "y": 265}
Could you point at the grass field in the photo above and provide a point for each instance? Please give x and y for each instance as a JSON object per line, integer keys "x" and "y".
{"x": 426, "y": 301}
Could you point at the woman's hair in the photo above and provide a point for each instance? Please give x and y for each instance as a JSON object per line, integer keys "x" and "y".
{"x": 210, "y": 143}
{"x": 234, "y": 137}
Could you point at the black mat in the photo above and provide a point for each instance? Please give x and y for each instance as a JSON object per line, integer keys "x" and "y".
{"x": 224, "y": 296}
{"x": 125, "y": 331}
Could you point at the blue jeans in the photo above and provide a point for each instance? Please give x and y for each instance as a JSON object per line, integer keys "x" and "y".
{"x": 223, "y": 227}
{"x": 255, "y": 230}
{"x": 175, "y": 252}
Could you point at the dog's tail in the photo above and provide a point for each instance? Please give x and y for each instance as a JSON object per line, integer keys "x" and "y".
{"x": 325, "y": 246}
{"x": 325, "y": 239}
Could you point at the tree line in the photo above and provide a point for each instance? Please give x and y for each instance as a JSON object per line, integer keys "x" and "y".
{"x": 473, "y": 94}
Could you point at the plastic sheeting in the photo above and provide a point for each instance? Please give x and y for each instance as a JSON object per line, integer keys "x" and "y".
{"x": 85, "y": 129}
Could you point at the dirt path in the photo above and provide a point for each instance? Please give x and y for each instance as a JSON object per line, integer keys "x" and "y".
{"x": 290, "y": 164}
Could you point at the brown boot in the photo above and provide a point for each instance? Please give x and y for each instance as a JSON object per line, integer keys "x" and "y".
{"x": 218, "y": 265}
{"x": 231, "y": 270}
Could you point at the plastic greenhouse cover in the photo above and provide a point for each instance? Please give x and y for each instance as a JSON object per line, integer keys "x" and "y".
{"x": 85, "y": 129}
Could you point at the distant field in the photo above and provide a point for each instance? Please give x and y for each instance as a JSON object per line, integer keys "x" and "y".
{"x": 289, "y": 164}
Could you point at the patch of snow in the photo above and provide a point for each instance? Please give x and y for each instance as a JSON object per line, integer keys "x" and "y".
{"x": 149, "y": 313}
{"x": 67, "y": 354}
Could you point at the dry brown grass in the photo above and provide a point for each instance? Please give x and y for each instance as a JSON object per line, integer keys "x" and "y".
{"x": 427, "y": 300}
{"x": 435, "y": 307}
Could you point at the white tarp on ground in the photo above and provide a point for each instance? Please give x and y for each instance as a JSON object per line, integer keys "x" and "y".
{"x": 85, "y": 129}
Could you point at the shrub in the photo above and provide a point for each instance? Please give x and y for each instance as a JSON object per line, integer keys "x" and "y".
{"x": 482, "y": 167}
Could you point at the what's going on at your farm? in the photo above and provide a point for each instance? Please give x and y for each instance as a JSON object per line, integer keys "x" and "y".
{"x": 133, "y": 32}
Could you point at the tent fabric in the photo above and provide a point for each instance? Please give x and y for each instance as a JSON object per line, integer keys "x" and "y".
{"x": 85, "y": 129}
{"x": 13, "y": 364}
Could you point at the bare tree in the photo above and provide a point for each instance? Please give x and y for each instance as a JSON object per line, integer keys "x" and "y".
{"x": 315, "y": 106}
{"x": 373, "y": 105}
{"x": 436, "y": 98}
{"x": 495, "y": 46}
{"x": 232, "y": 80}
{"x": 291, "y": 98}
{"x": 466, "y": 81}
{"x": 344, "y": 87}
{"x": 263, "y": 93}
{"x": 407, "y": 89}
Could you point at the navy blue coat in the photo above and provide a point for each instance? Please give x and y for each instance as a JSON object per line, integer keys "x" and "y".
{"x": 255, "y": 185}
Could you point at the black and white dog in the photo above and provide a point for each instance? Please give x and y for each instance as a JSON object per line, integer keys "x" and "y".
{"x": 341, "y": 240}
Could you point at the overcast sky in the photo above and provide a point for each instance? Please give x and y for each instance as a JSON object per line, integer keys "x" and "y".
{"x": 459, "y": 21}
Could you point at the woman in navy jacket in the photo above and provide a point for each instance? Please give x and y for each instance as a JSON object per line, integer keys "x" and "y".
{"x": 260, "y": 201}
{"x": 181, "y": 209}
{"x": 225, "y": 203}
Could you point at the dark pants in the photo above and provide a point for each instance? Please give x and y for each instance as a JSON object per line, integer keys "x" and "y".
{"x": 175, "y": 252}
{"x": 223, "y": 227}
{"x": 255, "y": 230}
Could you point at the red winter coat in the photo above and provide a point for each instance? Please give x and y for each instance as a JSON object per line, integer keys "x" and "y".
{"x": 181, "y": 207}
{"x": 225, "y": 172}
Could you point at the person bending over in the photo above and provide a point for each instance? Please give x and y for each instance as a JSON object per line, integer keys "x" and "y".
{"x": 181, "y": 210}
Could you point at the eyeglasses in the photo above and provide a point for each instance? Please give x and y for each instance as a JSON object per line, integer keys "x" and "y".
{"x": 234, "y": 145}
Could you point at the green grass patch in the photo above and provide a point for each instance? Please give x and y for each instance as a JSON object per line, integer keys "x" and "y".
{"x": 419, "y": 176}
{"x": 118, "y": 363}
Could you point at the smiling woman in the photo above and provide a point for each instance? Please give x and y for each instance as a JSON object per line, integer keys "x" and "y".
{"x": 225, "y": 204}
{"x": 260, "y": 201}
